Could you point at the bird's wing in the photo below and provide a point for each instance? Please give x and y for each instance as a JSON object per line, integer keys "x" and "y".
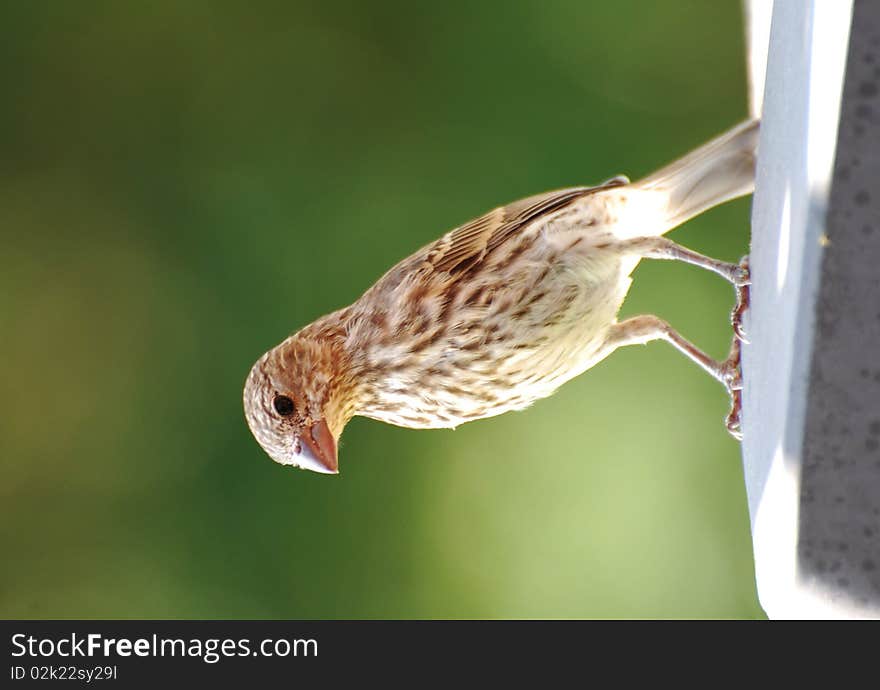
{"x": 467, "y": 245}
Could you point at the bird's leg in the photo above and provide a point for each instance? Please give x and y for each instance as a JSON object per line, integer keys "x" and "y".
{"x": 639, "y": 330}
{"x": 737, "y": 274}
{"x": 663, "y": 248}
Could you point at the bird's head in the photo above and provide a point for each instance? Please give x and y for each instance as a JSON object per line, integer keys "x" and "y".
{"x": 293, "y": 405}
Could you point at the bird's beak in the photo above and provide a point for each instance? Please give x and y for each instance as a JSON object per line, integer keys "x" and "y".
{"x": 318, "y": 452}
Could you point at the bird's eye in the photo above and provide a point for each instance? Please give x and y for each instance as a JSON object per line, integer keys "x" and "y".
{"x": 283, "y": 405}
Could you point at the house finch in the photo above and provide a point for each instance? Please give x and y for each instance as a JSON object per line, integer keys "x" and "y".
{"x": 497, "y": 313}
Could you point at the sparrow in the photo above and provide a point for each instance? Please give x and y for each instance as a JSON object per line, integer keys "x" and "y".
{"x": 499, "y": 312}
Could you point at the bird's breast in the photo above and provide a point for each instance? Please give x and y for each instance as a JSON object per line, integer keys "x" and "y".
{"x": 500, "y": 340}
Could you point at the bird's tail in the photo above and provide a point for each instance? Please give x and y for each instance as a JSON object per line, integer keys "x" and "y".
{"x": 718, "y": 171}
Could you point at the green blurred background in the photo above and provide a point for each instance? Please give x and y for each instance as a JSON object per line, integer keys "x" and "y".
{"x": 184, "y": 184}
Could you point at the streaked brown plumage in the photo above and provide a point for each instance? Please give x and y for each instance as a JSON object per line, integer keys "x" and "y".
{"x": 496, "y": 313}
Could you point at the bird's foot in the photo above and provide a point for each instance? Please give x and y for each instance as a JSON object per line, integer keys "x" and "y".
{"x": 741, "y": 283}
{"x": 734, "y": 417}
{"x": 732, "y": 378}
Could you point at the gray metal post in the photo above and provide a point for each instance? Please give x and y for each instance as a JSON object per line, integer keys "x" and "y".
{"x": 812, "y": 373}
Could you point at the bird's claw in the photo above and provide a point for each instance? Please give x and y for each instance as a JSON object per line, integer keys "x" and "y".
{"x": 734, "y": 417}
{"x": 731, "y": 371}
{"x": 742, "y": 300}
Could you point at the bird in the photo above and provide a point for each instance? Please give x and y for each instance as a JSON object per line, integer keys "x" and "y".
{"x": 499, "y": 312}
